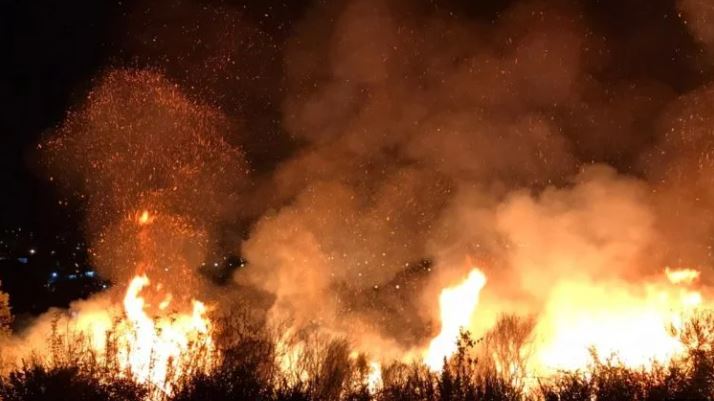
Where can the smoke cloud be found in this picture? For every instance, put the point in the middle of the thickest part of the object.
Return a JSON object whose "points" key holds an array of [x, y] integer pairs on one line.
{"points": [[422, 141], [428, 136]]}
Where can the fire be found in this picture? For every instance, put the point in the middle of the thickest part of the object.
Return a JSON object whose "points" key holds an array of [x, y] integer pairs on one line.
{"points": [[158, 350], [681, 276], [145, 342], [153, 345], [612, 322], [145, 218], [457, 305], [374, 377], [634, 324], [289, 352]]}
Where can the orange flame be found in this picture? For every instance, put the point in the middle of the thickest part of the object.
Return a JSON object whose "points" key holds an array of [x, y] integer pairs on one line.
{"points": [[145, 218], [630, 323], [457, 305], [157, 350], [681, 276]]}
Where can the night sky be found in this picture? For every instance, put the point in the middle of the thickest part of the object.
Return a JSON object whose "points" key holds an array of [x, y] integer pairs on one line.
{"points": [[52, 51]]}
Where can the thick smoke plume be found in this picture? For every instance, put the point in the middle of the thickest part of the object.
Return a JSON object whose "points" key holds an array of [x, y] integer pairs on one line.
{"points": [[424, 141], [432, 137]]}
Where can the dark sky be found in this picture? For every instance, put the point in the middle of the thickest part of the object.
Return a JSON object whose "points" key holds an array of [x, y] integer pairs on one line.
{"points": [[52, 49], [51, 52]]}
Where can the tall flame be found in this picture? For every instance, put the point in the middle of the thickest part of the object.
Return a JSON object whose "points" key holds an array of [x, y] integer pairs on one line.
{"points": [[632, 325], [457, 305], [635, 324], [681, 276], [158, 350]]}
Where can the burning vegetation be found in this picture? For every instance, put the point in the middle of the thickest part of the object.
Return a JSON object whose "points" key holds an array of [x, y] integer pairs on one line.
{"points": [[468, 210]]}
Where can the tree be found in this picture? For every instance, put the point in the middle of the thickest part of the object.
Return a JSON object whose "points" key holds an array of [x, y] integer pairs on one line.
{"points": [[508, 347], [5, 313]]}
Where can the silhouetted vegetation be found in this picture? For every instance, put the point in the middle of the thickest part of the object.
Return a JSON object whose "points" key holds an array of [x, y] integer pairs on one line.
{"points": [[249, 369], [5, 313]]}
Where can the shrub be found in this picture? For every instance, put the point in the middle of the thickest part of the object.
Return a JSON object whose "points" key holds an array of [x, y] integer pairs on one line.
{"points": [[66, 383], [248, 368]]}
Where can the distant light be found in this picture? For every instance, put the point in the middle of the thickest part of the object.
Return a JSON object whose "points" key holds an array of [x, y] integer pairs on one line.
{"points": [[90, 273], [72, 276], [22, 260], [32, 251], [54, 274]]}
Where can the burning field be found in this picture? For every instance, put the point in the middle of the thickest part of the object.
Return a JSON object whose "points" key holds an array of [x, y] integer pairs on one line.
{"points": [[506, 206]]}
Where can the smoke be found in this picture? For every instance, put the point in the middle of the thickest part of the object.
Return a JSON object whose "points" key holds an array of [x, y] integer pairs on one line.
{"points": [[697, 15], [430, 136], [679, 167], [421, 141]]}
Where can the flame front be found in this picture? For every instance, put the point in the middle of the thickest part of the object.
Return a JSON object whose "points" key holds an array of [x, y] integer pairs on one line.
{"points": [[636, 325], [678, 276], [157, 351], [154, 345], [456, 305]]}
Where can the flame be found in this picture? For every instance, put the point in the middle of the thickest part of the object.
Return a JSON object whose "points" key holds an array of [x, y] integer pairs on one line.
{"points": [[681, 276], [157, 350], [374, 377], [289, 352], [166, 302], [633, 325], [150, 344], [457, 305], [636, 324], [145, 218]]}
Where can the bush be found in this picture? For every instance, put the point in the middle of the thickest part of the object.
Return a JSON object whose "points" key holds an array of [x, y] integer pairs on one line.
{"points": [[66, 383], [249, 369]]}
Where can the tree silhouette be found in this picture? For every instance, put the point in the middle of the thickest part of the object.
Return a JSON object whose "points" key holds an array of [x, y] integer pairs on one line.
{"points": [[5, 313]]}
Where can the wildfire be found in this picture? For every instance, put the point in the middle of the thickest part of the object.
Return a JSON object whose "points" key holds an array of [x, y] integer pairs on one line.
{"points": [[153, 345], [159, 350], [457, 305], [631, 322], [613, 322], [681, 276], [145, 218], [289, 352], [374, 377], [635, 325]]}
